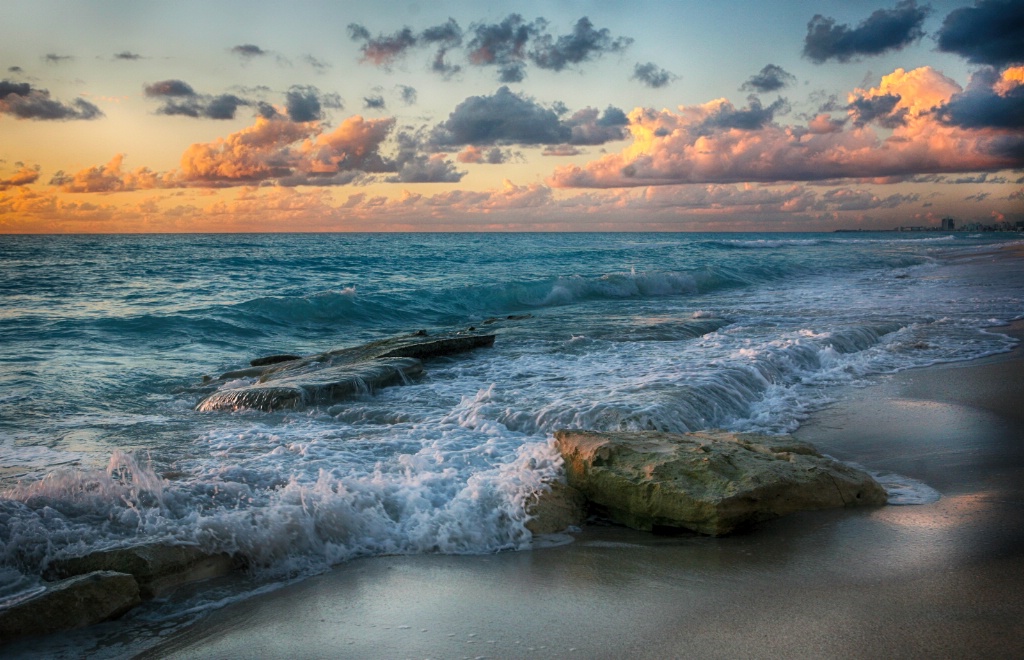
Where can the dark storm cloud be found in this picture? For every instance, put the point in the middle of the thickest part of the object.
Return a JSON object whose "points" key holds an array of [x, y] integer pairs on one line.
{"points": [[248, 51], [769, 79], [885, 29], [582, 44], [375, 102], [127, 55], [880, 110], [510, 118], [23, 101], [504, 118], [306, 102], [990, 32], [746, 119], [652, 75], [985, 109]]}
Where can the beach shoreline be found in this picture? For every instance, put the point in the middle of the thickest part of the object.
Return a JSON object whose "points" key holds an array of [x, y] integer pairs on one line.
{"points": [[943, 579]]}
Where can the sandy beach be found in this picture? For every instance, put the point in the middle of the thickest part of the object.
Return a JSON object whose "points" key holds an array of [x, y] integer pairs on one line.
{"points": [[944, 579]]}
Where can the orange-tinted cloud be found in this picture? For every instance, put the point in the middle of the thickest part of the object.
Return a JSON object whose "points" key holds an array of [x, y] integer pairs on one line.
{"points": [[273, 149], [107, 178], [689, 147], [24, 176]]}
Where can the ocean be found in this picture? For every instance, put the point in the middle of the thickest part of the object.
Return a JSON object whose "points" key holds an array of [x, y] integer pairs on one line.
{"points": [[107, 340]]}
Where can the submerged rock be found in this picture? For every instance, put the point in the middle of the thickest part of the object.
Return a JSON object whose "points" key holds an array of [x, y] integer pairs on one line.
{"points": [[72, 603], [711, 482], [156, 568], [330, 377], [273, 359]]}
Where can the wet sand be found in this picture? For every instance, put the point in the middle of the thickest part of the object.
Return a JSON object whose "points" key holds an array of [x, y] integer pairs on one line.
{"points": [[937, 580]]}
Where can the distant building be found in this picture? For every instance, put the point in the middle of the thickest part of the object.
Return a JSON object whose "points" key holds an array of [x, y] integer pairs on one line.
{"points": [[948, 224]]}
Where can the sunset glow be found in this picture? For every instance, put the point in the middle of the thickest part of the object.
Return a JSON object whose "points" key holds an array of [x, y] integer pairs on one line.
{"points": [[669, 116]]}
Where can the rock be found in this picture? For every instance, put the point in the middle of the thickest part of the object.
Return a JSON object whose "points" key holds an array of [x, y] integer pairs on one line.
{"points": [[273, 359], [555, 509], [72, 603], [329, 377], [711, 482], [156, 568], [322, 386]]}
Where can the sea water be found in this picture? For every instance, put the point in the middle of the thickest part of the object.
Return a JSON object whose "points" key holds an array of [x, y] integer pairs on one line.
{"points": [[106, 341]]}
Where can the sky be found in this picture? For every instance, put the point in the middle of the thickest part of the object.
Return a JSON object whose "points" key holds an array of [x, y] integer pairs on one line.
{"points": [[668, 115]]}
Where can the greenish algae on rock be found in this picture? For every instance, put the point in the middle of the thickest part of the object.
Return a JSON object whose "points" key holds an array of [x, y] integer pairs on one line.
{"points": [[710, 482]]}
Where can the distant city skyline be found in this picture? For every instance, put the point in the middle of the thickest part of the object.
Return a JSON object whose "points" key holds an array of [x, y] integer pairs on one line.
{"points": [[573, 116]]}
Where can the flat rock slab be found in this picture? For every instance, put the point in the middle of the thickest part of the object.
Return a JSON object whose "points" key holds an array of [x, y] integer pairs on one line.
{"points": [[72, 603], [157, 568], [333, 376], [710, 482]]}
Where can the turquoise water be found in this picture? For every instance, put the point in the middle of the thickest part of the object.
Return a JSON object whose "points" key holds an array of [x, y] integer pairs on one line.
{"points": [[106, 340]]}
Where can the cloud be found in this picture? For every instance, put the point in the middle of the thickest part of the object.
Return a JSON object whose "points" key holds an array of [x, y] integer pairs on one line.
{"points": [[248, 51], [384, 49], [503, 45], [509, 118], [562, 150], [652, 75], [427, 169], [751, 118], [15, 69], [127, 55], [306, 102], [492, 156], [106, 178], [53, 58], [590, 127], [169, 88], [509, 45], [992, 100], [273, 150], [182, 100], [504, 118], [990, 32], [884, 30], [880, 109], [24, 176], [716, 143], [375, 102], [582, 44], [408, 94], [23, 101], [319, 65], [771, 78]]}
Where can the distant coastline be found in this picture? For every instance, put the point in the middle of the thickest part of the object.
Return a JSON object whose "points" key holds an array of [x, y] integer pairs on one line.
{"points": [[948, 226]]}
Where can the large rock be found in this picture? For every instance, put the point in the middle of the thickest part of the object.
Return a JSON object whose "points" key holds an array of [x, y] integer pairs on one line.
{"points": [[72, 603], [711, 482], [157, 568], [329, 377], [555, 508]]}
